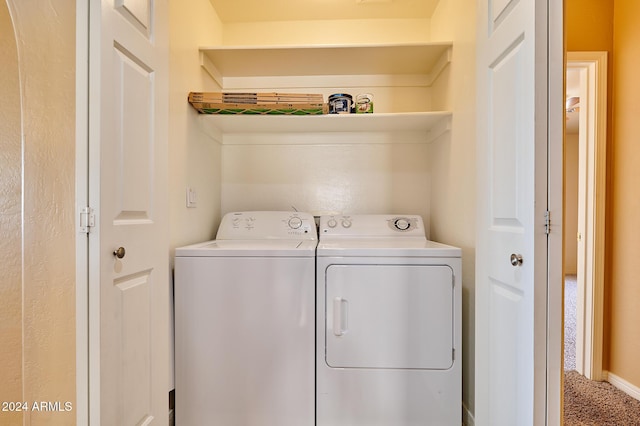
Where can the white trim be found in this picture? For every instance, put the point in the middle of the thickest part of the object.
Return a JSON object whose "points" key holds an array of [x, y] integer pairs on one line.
{"points": [[93, 117], [556, 123], [593, 140], [81, 181], [620, 383]]}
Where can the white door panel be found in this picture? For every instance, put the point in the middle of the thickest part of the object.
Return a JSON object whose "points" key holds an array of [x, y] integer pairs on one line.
{"points": [[498, 8], [133, 88], [137, 11], [512, 168], [129, 353]]}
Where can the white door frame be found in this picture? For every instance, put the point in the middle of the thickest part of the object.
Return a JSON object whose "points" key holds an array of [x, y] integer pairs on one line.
{"points": [[592, 67], [556, 123]]}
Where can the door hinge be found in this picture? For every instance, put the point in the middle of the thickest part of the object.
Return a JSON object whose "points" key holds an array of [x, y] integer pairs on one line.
{"points": [[453, 354], [547, 222], [87, 220]]}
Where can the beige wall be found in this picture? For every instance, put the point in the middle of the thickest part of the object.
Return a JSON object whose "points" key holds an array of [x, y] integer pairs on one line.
{"points": [[624, 220], [46, 59], [10, 221], [323, 32], [571, 149], [322, 173], [346, 177], [452, 163], [194, 158]]}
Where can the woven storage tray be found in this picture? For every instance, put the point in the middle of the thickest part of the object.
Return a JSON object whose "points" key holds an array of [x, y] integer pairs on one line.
{"points": [[260, 109], [258, 103]]}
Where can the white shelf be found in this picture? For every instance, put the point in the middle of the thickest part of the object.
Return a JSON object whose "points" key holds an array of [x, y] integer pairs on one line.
{"points": [[239, 67], [425, 126], [418, 121], [225, 62]]}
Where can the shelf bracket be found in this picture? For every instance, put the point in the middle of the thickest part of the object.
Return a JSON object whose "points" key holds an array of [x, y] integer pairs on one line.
{"points": [[439, 66], [440, 128], [211, 69]]}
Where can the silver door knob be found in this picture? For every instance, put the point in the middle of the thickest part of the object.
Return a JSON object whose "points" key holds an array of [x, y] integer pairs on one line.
{"points": [[119, 253], [516, 259]]}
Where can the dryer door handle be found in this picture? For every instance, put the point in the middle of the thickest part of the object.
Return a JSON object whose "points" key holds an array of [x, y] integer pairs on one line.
{"points": [[340, 316]]}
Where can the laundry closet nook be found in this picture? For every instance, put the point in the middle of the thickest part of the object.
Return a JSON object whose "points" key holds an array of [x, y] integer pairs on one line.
{"points": [[415, 154]]}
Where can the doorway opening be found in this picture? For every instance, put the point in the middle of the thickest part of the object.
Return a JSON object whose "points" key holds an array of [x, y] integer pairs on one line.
{"points": [[585, 167]]}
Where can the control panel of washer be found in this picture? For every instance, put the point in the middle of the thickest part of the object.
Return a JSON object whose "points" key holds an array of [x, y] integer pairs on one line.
{"points": [[267, 224], [371, 225]]}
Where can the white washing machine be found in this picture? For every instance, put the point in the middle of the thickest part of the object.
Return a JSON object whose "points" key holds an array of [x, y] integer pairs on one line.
{"points": [[388, 336], [244, 323]]}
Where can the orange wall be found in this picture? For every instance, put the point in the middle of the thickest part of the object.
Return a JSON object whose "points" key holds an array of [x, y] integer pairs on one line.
{"points": [[624, 198], [589, 27]]}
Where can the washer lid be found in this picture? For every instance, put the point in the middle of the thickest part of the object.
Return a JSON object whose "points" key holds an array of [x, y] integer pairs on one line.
{"points": [[384, 247], [250, 248]]}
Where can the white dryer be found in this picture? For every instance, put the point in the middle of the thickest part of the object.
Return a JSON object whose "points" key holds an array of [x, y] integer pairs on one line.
{"points": [[244, 323], [388, 336]]}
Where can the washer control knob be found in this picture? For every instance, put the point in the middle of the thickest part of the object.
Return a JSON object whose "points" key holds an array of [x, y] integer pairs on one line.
{"points": [[402, 224], [331, 223], [295, 223], [346, 223]]}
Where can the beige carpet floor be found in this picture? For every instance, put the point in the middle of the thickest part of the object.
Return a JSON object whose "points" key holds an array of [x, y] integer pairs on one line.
{"points": [[588, 403]]}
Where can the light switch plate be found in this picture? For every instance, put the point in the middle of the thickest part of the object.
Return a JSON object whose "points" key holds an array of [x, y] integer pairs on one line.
{"points": [[191, 197]]}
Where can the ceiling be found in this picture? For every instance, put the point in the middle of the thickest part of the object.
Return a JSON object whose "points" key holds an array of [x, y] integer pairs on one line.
{"points": [[230, 11]]}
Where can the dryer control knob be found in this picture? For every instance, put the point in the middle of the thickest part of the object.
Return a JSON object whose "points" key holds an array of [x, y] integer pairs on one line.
{"points": [[331, 223], [402, 224], [295, 223], [346, 223]]}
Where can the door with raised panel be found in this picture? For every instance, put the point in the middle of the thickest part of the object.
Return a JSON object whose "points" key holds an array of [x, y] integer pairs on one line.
{"points": [[129, 254], [511, 275]]}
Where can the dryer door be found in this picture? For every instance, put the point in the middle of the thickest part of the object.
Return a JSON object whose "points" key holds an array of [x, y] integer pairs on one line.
{"points": [[389, 316]]}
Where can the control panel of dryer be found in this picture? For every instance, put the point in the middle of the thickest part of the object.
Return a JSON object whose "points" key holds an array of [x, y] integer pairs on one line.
{"points": [[371, 225], [267, 225]]}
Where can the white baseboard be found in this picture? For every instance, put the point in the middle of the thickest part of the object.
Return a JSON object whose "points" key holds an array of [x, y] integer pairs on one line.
{"points": [[467, 417], [620, 383]]}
